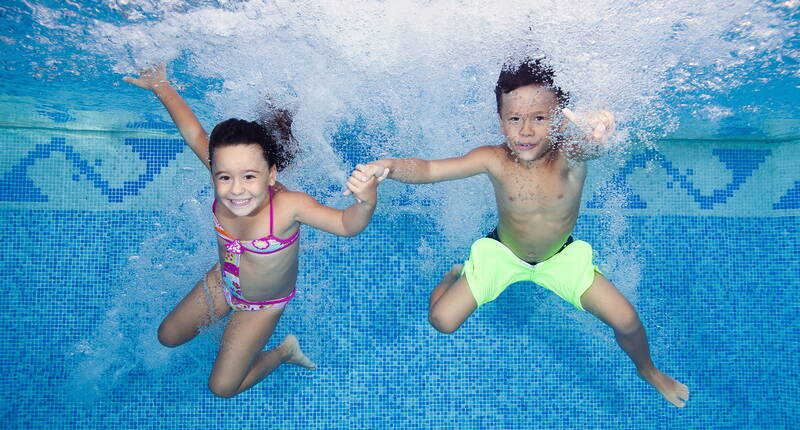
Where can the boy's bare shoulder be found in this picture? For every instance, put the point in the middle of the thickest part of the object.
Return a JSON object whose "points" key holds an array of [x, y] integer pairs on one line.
{"points": [[490, 153], [490, 149], [493, 156]]}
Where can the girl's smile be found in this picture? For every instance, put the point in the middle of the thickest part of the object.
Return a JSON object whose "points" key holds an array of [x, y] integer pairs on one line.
{"points": [[241, 178]]}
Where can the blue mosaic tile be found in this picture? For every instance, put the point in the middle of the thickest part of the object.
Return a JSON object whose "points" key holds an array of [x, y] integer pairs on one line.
{"points": [[87, 290]]}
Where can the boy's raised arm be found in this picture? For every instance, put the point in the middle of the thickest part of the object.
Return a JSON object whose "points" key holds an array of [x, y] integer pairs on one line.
{"points": [[597, 127], [155, 80]]}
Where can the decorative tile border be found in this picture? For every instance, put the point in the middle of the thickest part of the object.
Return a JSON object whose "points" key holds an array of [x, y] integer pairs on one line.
{"points": [[58, 166]]}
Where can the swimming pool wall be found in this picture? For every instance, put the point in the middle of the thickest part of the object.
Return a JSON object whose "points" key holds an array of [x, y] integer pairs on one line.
{"points": [[106, 228]]}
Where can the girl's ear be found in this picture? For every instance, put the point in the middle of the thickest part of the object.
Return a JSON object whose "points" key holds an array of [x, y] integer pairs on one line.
{"points": [[273, 175]]}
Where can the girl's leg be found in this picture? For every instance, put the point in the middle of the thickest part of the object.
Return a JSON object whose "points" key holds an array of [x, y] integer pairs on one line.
{"points": [[451, 302], [241, 363], [204, 304], [604, 301]]}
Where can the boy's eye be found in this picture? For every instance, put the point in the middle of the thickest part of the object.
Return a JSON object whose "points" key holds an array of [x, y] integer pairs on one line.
{"points": [[513, 119], [223, 178], [249, 177], [541, 118]]}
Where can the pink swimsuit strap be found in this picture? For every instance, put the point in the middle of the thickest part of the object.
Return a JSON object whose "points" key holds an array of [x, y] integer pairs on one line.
{"points": [[258, 246]]}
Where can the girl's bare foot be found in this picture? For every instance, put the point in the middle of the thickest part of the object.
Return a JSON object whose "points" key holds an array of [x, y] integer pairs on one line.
{"points": [[291, 348]]}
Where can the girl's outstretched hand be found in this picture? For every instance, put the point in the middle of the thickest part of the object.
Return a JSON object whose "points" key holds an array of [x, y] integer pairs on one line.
{"points": [[150, 79]]}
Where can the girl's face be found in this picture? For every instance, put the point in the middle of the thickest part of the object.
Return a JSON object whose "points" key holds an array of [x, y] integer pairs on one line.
{"points": [[241, 177]]}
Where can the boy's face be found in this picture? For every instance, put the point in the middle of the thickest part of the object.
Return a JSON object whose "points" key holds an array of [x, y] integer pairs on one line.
{"points": [[526, 119], [241, 178]]}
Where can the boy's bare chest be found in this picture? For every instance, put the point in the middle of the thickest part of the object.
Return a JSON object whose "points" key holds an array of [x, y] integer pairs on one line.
{"points": [[534, 189]]}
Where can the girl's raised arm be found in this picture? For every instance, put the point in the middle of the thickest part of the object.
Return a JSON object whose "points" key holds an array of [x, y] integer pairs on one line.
{"points": [[155, 80]]}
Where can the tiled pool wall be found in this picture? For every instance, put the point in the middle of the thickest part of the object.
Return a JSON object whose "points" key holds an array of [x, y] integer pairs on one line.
{"points": [[106, 229]]}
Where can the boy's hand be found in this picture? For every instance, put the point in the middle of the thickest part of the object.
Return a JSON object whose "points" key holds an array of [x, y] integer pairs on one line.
{"points": [[150, 79], [598, 125], [366, 173]]}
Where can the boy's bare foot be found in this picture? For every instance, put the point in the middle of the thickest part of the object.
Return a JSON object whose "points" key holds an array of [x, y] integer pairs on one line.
{"points": [[291, 347], [672, 390]]}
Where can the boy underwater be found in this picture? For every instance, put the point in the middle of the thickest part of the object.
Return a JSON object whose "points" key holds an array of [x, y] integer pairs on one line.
{"points": [[538, 178]]}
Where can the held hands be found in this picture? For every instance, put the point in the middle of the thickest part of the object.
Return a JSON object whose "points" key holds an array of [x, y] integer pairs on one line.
{"points": [[597, 125], [363, 182], [151, 78]]}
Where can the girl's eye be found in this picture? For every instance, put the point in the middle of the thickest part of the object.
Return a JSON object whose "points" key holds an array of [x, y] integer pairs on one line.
{"points": [[250, 177], [223, 178]]}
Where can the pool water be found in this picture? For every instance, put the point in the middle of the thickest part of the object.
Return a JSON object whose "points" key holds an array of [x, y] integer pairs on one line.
{"points": [[105, 215]]}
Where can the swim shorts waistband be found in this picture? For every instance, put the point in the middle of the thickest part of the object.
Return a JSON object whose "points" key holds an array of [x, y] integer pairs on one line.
{"points": [[493, 235]]}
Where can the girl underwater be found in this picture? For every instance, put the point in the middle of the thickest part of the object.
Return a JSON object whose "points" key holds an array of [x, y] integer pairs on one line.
{"points": [[257, 222]]}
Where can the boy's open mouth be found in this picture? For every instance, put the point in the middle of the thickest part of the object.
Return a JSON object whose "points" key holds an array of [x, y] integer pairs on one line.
{"points": [[525, 146]]}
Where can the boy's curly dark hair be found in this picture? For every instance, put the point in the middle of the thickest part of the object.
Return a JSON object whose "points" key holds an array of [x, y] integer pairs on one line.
{"points": [[528, 72], [273, 133]]}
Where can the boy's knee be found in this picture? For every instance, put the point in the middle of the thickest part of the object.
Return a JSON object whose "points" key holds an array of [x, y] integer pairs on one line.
{"points": [[441, 322], [627, 323], [222, 388]]}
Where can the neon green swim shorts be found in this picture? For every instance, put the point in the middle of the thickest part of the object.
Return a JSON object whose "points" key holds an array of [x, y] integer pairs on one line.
{"points": [[492, 267]]}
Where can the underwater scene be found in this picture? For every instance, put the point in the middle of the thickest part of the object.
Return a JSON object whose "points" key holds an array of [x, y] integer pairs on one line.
{"points": [[692, 209]]}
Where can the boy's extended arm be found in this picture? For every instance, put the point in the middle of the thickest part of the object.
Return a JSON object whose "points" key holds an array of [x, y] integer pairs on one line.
{"points": [[155, 80], [418, 171]]}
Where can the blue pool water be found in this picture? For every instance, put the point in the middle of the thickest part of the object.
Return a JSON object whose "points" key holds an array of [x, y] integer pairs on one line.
{"points": [[105, 215]]}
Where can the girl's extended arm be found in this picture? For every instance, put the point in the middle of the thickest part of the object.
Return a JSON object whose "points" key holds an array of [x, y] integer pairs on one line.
{"points": [[348, 222], [155, 80]]}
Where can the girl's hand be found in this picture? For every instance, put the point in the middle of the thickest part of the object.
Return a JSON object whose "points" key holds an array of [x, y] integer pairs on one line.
{"points": [[367, 173], [150, 79], [366, 192]]}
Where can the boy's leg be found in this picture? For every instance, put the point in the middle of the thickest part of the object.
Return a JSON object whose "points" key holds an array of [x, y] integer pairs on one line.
{"points": [[204, 304], [451, 302], [447, 281], [604, 301], [241, 363]]}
